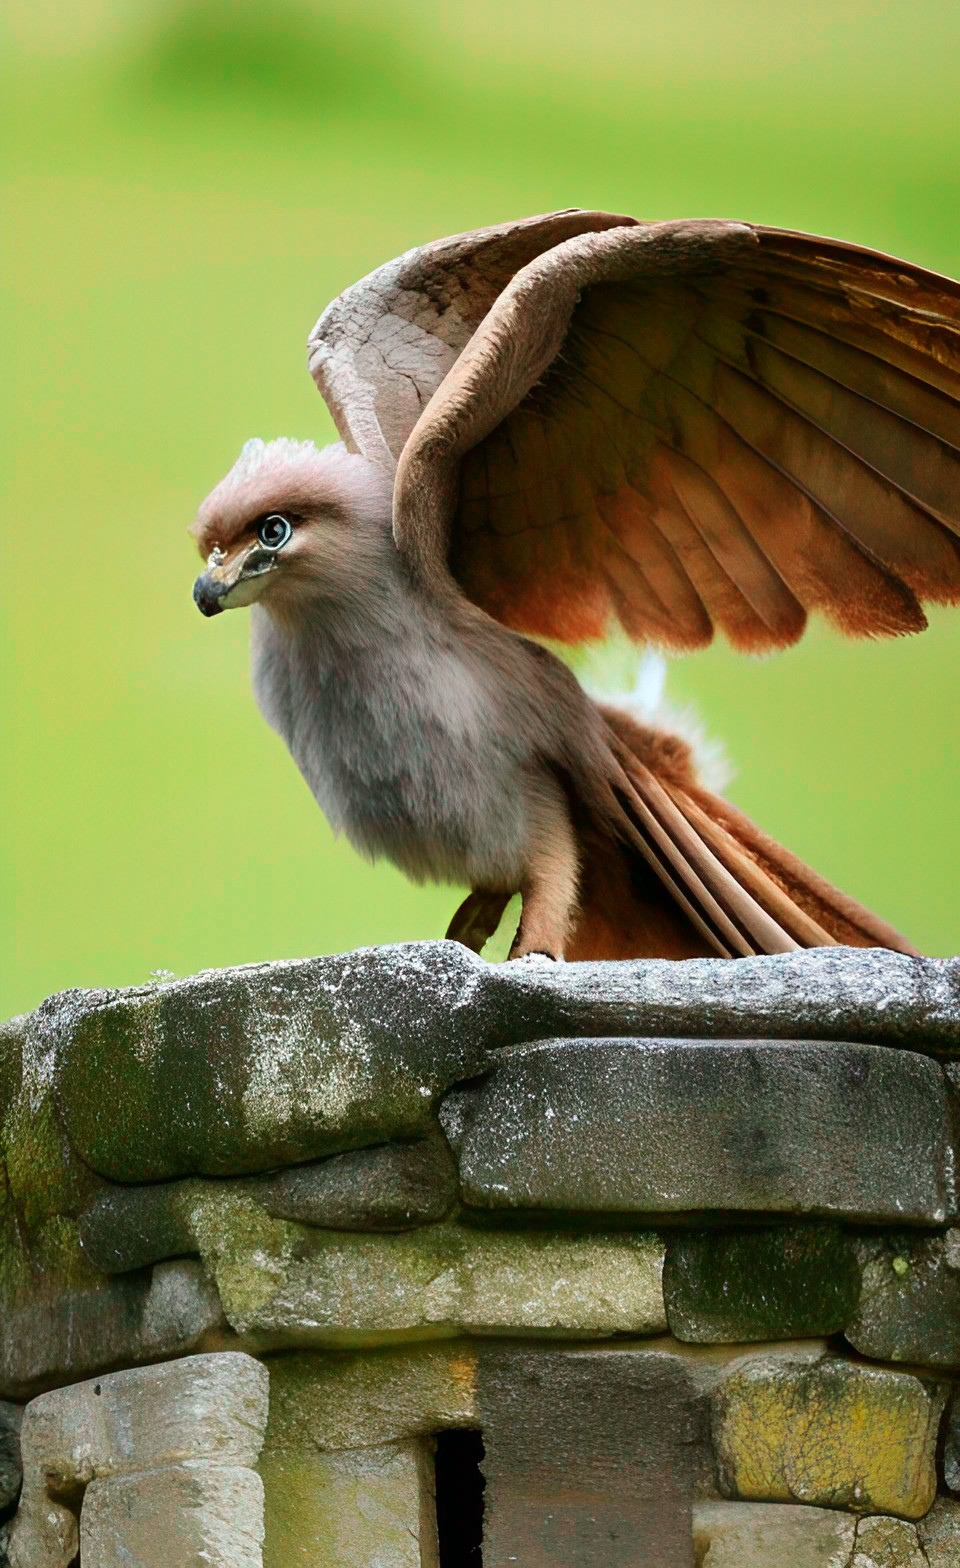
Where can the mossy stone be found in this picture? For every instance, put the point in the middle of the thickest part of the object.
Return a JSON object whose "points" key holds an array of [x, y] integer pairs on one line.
{"points": [[738, 1286]]}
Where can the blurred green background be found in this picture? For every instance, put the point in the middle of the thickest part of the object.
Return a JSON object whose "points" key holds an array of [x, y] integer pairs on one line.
{"points": [[186, 187]]}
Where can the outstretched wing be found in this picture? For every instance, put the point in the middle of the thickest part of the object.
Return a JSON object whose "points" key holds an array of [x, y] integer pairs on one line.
{"points": [[692, 426], [382, 348]]}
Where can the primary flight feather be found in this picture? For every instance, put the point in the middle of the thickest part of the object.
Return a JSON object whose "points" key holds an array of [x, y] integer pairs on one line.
{"points": [[550, 428]]}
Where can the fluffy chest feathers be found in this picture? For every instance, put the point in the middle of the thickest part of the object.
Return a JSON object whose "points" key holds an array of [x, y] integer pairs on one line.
{"points": [[400, 736]]}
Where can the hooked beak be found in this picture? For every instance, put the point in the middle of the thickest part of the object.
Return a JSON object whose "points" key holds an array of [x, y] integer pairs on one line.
{"points": [[228, 583]]}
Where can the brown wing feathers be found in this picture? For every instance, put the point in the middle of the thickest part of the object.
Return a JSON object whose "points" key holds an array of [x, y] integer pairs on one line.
{"points": [[730, 451]]}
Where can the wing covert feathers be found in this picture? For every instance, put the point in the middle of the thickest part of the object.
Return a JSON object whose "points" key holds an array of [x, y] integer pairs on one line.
{"points": [[694, 427]]}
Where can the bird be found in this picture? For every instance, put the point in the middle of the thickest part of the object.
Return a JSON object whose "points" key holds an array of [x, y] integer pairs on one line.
{"points": [[551, 430]]}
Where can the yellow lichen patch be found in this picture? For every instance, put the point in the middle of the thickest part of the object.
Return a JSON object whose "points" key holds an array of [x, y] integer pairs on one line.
{"points": [[828, 1432]]}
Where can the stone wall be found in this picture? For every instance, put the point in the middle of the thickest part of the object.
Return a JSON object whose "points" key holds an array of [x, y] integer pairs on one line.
{"points": [[679, 1241]]}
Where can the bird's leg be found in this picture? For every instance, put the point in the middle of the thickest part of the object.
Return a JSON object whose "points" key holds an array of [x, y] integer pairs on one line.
{"points": [[477, 918], [549, 884]]}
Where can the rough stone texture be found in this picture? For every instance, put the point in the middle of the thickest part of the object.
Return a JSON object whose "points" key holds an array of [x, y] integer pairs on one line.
{"points": [[325, 1402], [887, 1543], [196, 1515], [275, 1064], [340, 1289], [737, 1286], [211, 1408], [393, 1187], [10, 1467], [608, 1125], [939, 1534], [827, 1432], [910, 1300], [587, 1458], [370, 1508], [98, 1324], [771, 1535], [951, 1444]]}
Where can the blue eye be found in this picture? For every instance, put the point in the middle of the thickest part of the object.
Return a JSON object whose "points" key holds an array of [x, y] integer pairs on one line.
{"points": [[274, 531]]}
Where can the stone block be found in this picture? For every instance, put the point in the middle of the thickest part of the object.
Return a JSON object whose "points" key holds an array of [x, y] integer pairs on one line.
{"points": [[771, 1535], [939, 1534], [887, 1543], [201, 1407], [154, 1421], [785, 1127], [910, 1299], [275, 1064], [588, 1458], [737, 1286], [356, 1400], [196, 1515], [10, 1467], [369, 1508], [396, 1186], [354, 1289], [951, 1444], [246, 1069], [80, 1328], [827, 1432]]}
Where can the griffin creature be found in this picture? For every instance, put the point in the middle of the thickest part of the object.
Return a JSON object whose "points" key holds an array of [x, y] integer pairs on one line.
{"points": [[548, 428]]}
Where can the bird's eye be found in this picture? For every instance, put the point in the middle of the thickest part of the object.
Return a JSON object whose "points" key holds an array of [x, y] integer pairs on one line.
{"points": [[274, 531]]}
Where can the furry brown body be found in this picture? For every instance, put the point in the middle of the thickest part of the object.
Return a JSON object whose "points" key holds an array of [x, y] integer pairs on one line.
{"points": [[391, 577]]}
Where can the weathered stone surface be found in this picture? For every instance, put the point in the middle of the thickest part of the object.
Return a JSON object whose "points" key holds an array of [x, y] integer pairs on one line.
{"points": [[887, 1543], [587, 1454], [200, 1407], [341, 1289], [951, 1444], [369, 1506], [142, 1423], [910, 1301], [272, 1064], [333, 1401], [196, 1514], [395, 1186], [95, 1324], [10, 1468], [789, 1282], [827, 1432], [608, 1125], [280, 1063], [939, 1534], [771, 1535]]}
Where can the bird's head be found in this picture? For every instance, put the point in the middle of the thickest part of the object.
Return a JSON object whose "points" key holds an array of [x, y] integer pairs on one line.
{"points": [[290, 522]]}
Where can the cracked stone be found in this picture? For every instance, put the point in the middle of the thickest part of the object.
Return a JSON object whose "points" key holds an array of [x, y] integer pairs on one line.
{"points": [[809, 1128], [771, 1535], [888, 1543], [827, 1432], [789, 1282], [939, 1533], [910, 1300]]}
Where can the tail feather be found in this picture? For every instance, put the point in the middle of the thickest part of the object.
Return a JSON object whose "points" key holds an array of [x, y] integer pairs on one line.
{"points": [[692, 875]]}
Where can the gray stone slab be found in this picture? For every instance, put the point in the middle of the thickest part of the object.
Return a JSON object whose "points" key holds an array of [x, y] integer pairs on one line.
{"points": [[771, 1535], [909, 1307], [951, 1444], [588, 1459], [939, 1534], [883, 1542], [395, 1186], [670, 1126], [763, 1283], [275, 1064], [97, 1325], [366, 1508], [196, 1515], [10, 1467]]}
